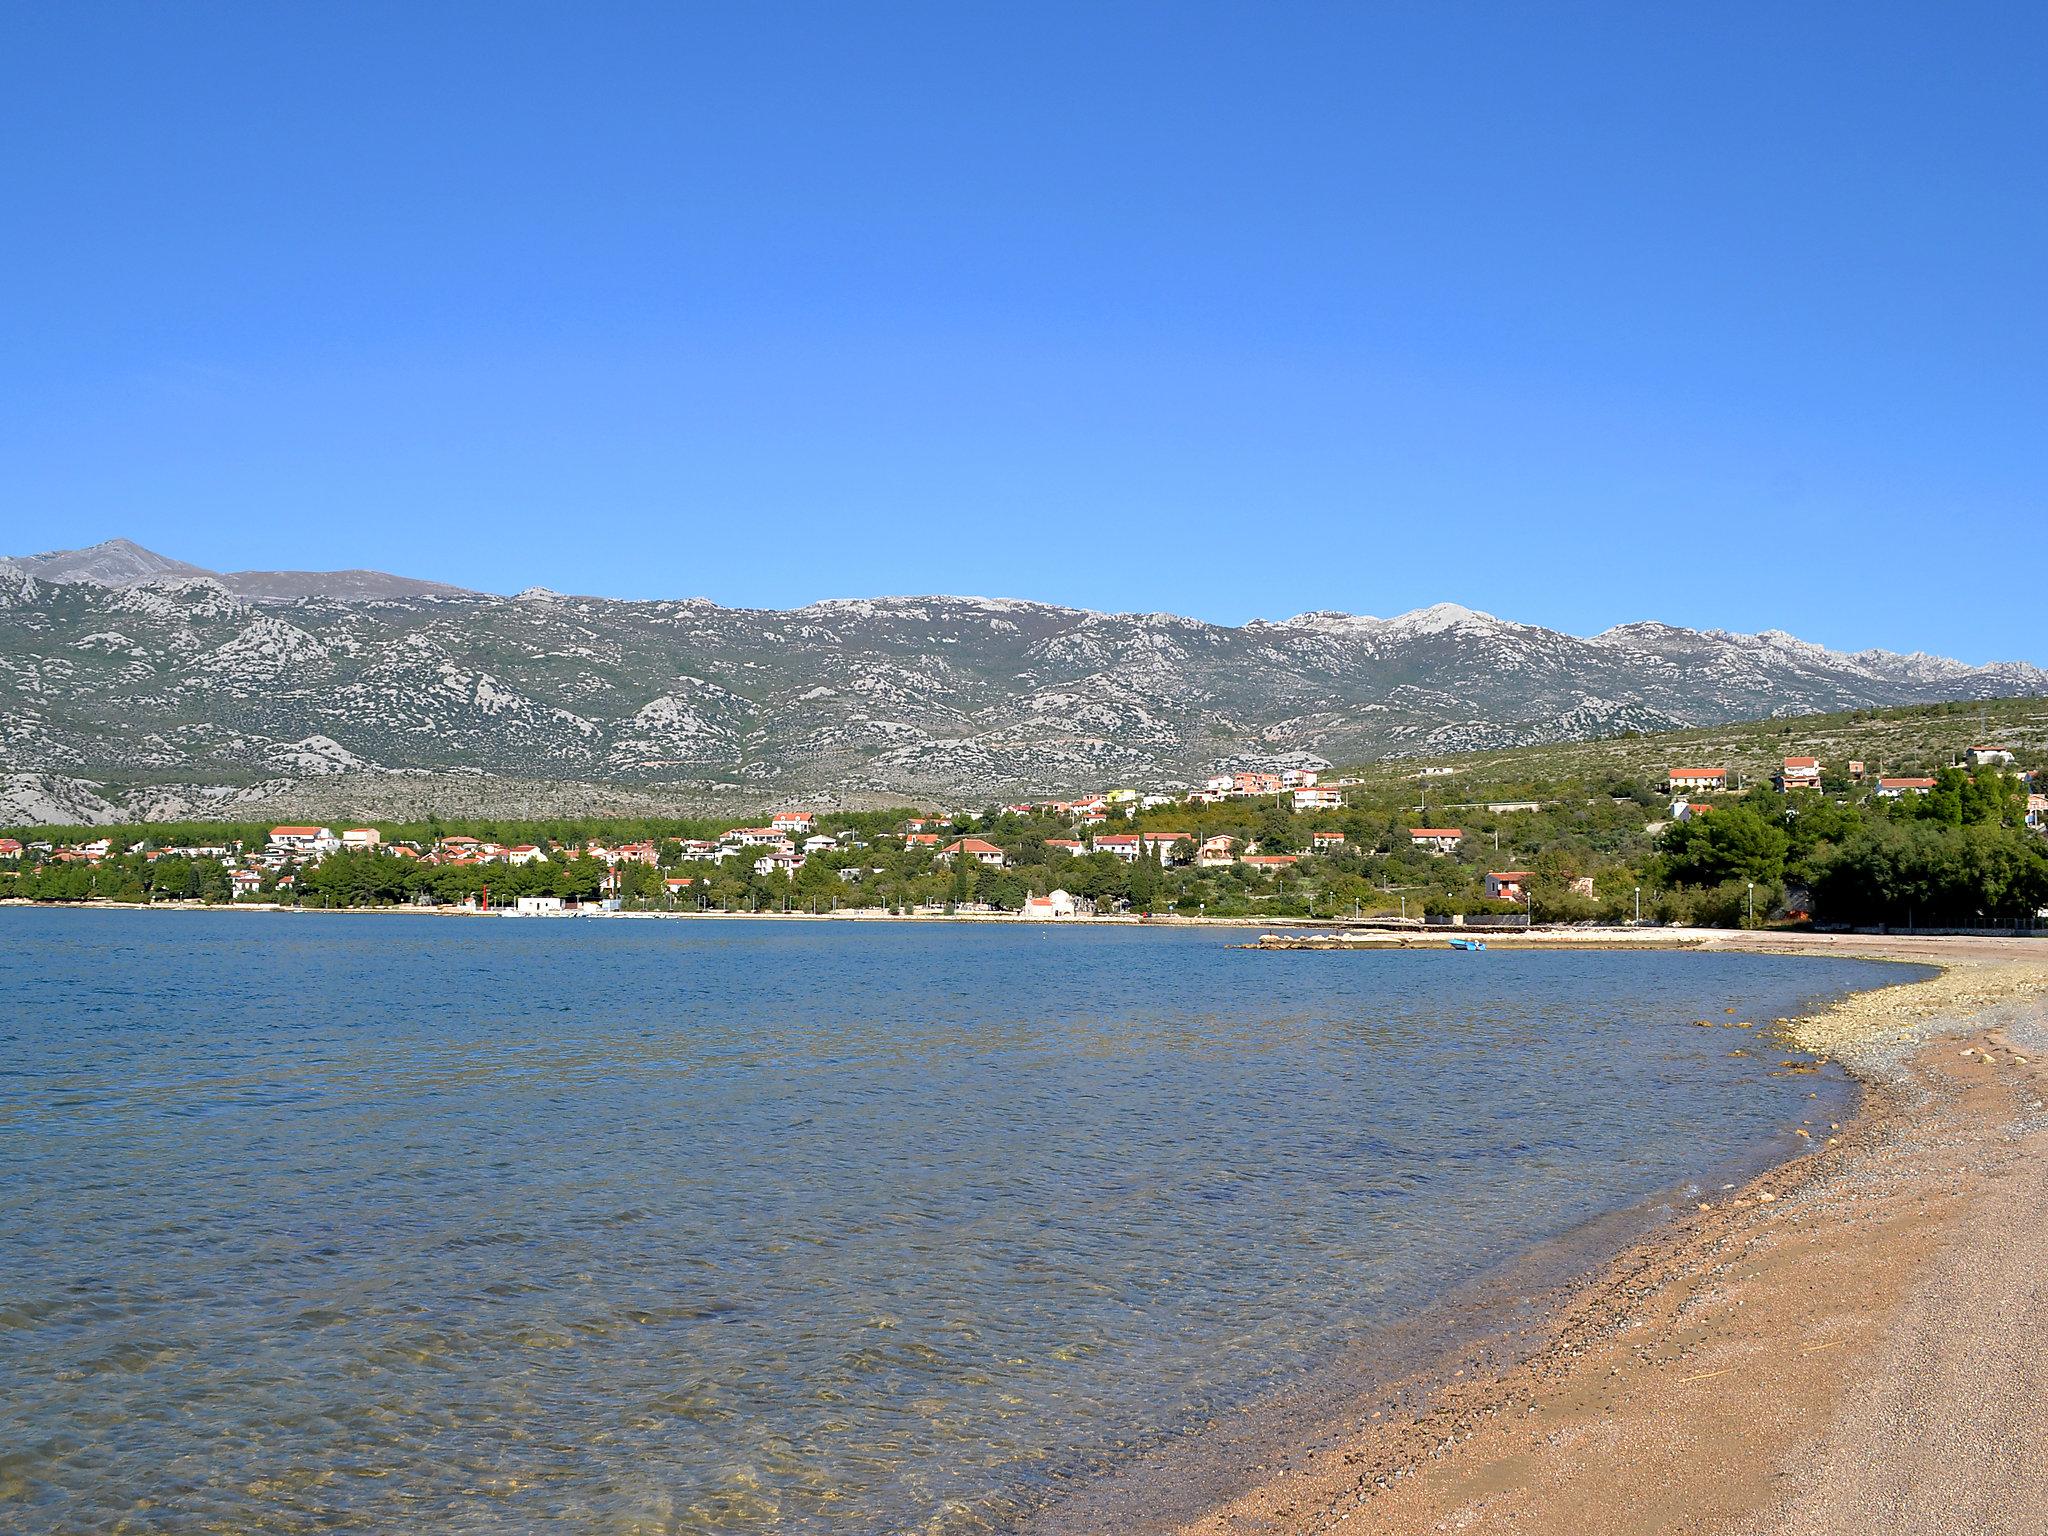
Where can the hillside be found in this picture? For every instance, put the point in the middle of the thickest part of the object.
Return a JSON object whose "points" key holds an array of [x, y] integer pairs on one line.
{"points": [[129, 685]]}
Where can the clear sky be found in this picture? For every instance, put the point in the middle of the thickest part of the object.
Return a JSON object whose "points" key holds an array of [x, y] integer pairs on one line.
{"points": [[1722, 314]]}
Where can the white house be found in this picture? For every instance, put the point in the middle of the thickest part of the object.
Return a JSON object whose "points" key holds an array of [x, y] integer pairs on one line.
{"points": [[537, 906], [1507, 884], [975, 849], [1438, 840], [1983, 757], [792, 821], [361, 837], [1216, 852], [1310, 798], [1071, 846], [303, 840], [1217, 783], [1326, 842], [525, 853], [1679, 780], [1123, 844], [1297, 778], [1167, 847], [1892, 789], [784, 860], [1799, 773]]}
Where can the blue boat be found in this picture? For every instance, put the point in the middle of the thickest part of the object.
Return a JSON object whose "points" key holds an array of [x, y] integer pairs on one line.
{"points": [[1468, 943]]}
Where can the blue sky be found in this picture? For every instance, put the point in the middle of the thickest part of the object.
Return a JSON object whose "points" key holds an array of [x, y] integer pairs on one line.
{"points": [[1727, 315]]}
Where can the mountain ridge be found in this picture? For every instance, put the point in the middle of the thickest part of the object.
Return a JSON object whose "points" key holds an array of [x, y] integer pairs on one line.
{"points": [[128, 670]]}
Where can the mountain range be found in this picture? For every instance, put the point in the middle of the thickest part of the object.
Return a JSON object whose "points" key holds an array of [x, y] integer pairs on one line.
{"points": [[134, 684]]}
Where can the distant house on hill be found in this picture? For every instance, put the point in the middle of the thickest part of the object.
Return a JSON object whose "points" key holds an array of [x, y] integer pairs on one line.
{"points": [[1892, 789], [1216, 852], [1165, 846], [1798, 773], [1507, 884], [303, 840], [1270, 862], [1694, 780], [1312, 798], [1988, 757], [973, 848], [1438, 840]]}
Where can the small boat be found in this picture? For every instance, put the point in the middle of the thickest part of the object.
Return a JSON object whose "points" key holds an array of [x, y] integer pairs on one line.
{"points": [[1468, 943]]}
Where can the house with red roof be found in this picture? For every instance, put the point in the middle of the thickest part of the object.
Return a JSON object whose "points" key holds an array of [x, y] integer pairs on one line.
{"points": [[1167, 847], [1681, 780], [1508, 884], [973, 848], [1272, 863], [300, 841], [1438, 840]]}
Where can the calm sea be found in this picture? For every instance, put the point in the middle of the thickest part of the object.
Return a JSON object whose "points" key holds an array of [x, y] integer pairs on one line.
{"points": [[405, 1224]]}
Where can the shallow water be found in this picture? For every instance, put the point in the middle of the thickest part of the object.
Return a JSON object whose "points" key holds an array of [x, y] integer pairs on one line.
{"points": [[390, 1223]]}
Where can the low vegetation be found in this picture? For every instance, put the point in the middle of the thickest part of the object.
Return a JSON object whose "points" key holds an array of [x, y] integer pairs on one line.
{"points": [[1586, 830]]}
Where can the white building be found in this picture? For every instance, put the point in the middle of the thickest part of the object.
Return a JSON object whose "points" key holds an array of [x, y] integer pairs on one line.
{"points": [[538, 906], [303, 840], [1054, 904], [1437, 839], [1313, 799]]}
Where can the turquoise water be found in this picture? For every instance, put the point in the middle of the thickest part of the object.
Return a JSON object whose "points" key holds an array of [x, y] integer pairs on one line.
{"points": [[391, 1223]]}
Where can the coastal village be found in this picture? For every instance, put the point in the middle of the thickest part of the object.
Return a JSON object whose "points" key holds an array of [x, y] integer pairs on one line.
{"points": [[1244, 843]]}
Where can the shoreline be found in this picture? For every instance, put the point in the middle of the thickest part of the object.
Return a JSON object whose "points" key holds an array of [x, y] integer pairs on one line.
{"points": [[1700, 1378]]}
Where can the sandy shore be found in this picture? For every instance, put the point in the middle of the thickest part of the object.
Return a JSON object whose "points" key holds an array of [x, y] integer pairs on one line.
{"points": [[1851, 1343]]}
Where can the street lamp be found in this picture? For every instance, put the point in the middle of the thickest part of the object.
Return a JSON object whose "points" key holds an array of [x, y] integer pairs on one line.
{"points": [[1639, 906], [1749, 904]]}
